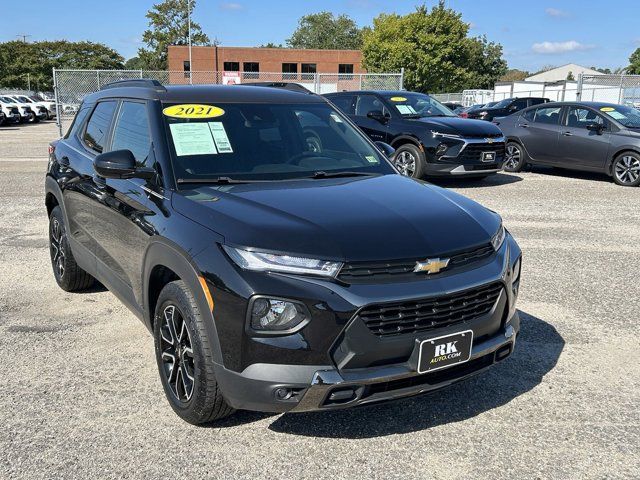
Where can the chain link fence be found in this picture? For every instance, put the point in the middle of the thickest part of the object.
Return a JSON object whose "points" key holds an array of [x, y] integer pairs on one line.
{"points": [[617, 88], [71, 86]]}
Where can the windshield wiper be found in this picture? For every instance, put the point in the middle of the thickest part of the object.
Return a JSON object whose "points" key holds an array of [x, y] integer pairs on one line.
{"points": [[216, 180], [322, 174]]}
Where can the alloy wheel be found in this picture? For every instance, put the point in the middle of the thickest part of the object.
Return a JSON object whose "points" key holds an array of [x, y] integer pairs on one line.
{"points": [[627, 169], [406, 162], [56, 239], [177, 353], [512, 157]]}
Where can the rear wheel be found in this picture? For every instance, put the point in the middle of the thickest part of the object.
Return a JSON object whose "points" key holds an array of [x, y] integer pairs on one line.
{"points": [[410, 161], [69, 276], [514, 157], [185, 358], [626, 169]]}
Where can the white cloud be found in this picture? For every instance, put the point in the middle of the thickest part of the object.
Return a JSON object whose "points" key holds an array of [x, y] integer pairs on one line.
{"points": [[231, 6], [559, 47], [554, 12]]}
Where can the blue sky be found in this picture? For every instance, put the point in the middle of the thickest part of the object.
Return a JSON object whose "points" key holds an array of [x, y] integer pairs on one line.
{"points": [[534, 33]]}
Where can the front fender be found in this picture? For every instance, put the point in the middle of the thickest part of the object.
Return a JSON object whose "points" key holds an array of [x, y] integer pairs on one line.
{"points": [[163, 252]]}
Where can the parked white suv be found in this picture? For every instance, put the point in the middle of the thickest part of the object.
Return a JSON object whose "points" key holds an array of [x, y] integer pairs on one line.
{"points": [[40, 111], [34, 100], [12, 112]]}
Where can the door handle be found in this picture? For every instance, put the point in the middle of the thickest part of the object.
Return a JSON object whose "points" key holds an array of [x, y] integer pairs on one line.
{"points": [[567, 134], [523, 125]]}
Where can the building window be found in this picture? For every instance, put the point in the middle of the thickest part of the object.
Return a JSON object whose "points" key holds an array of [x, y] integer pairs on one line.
{"points": [[251, 70], [345, 71], [231, 66], [186, 65], [290, 71], [308, 71]]}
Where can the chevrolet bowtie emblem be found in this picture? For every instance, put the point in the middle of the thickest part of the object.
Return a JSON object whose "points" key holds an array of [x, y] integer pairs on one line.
{"points": [[431, 265], [489, 140]]}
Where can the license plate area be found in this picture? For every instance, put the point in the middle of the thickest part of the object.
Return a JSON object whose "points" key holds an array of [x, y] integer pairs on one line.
{"points": [[446, 351], [488, 156]]}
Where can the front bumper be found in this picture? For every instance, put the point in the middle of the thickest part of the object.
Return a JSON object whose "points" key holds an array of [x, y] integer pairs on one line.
{"points": [[313, 388], [440, 169]]}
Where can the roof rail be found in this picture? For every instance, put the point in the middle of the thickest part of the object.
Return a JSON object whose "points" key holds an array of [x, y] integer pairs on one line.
{"points": [[136, 82], [294, 87]]}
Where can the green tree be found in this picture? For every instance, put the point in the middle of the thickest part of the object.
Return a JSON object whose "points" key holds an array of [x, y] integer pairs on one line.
{"points": [[23, 63], [271, 45], [634, 61], [570, 77], [435, 50], [323, 30], [168, 25], [514, 75], [134, 63]]}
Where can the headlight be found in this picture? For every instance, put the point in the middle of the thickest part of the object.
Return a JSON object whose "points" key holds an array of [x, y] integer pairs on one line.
{"points": [[270, 262], [498, 239], [276, 315]]}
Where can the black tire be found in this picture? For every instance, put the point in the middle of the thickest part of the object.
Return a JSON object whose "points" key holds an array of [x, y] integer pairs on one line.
{"points": [[515, 157], [626, 169], [410, 161], [69, 276], [180, 334], [32, 118]]}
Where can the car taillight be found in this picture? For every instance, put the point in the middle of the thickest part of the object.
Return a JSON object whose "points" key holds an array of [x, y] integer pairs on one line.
{"points": [[52, 149], [464, 115]]}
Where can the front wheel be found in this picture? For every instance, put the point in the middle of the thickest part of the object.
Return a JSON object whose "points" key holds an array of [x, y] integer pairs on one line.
{"points": [[626, 169], [410, 161], [514, 157], [185, 358]]}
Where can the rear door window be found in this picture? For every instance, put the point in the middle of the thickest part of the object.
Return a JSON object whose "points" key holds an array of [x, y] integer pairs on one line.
{"points": [[343, 102], [131, 131], [548, 115], [95, 135]]}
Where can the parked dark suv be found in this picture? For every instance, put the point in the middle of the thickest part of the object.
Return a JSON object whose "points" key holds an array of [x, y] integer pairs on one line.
{"points": [[506, 107], [278, 258], [429, 138], [591, 136]]}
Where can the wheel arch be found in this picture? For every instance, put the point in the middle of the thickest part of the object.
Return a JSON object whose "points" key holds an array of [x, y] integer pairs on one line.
{"points": [[619, 151], [406, 138], [54, 198], [165, 262]]}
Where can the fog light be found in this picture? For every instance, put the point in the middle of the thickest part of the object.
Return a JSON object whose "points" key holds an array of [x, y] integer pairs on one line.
{"points": [[276, 315], [442, 149], [283, 393]]}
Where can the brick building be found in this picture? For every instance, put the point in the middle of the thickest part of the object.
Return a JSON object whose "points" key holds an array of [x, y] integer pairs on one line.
{"points": [[294, 64]]}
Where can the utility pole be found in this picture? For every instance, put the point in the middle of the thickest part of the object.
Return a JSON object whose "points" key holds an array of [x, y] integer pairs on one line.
{"points": [[23, 36], [189, 28]]}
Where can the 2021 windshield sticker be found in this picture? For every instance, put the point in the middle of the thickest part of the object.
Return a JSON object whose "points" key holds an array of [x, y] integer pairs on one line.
{"points": [[192, 139], [193, 110]]}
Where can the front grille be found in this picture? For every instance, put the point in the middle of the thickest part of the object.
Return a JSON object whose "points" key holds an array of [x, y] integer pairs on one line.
{"points": [[484, 166], [473, 151], [396, 270], [15, 111], [426, 314]]}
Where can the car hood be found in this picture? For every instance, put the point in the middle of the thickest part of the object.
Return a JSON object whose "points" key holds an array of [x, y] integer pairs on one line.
{"points": [[372, 218], [460, 126]]}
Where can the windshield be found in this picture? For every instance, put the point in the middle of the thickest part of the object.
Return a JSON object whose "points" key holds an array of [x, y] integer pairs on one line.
{"points": [[417, 105], [627, 116], [25, 99], [503, 103], [7, 100], [266, 142]]}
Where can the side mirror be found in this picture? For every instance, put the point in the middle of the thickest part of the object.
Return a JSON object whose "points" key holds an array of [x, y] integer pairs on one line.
{"points": [[377, 115], [120, 164], [513, 108], [386, 149], [596, 127]]}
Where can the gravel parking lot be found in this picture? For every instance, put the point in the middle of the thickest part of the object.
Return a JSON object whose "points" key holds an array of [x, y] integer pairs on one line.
{"points": [[80, 395]]}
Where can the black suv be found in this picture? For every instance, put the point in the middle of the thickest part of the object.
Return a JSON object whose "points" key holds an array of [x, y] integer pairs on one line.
{"points": [[429, 138], [278, 258], [505, 107]]}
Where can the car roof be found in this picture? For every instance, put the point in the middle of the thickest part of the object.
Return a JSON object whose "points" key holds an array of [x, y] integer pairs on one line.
{"points": [[203, 93], [374, 92], [594, 105]]}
